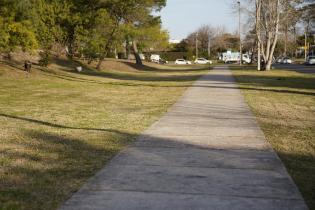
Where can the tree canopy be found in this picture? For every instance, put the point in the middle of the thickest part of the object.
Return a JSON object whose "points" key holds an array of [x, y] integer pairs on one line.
{"points": [[90, 28]]}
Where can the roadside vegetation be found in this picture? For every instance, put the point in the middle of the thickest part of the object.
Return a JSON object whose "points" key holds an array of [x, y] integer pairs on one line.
{"points": [[284, 104], [59, 127]]}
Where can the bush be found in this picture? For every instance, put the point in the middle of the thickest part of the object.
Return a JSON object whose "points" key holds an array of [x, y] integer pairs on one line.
{"points": [[45, 58]]}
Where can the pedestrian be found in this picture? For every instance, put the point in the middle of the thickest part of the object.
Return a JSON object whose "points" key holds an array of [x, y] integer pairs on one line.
{"points": [[28, 66]]}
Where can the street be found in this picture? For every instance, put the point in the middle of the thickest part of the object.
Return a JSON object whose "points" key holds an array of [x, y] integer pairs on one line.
{"points": [[296, 67]]}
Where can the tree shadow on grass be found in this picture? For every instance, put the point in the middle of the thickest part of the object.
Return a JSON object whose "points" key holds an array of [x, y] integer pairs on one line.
{"points": [[56, 125], [69, 67], [53, 164], [302, 170], [14, 64], [71, 78], [129, 76], [123, 78], [268, 83], [60, 164], [293, 82], [257, 83], [57, 166], [142, 78], [276, 83], [177, 69], [65, 163]]}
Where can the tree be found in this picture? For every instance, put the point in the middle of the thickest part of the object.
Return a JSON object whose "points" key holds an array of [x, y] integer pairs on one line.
{"points": [[289, 18], [16, 29], [267, 28], [96, 41], [136, 15], [93, 28], [212, 40], [152, 38], [308, 15], [49, 20], [205, 35]]}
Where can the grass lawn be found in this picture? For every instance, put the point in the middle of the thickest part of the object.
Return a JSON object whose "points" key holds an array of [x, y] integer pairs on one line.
{"points": [[284, 104], [59, 127]]}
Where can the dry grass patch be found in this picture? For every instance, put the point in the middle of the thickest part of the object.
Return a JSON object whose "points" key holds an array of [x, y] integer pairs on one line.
{"points": [[284, 104], [59, 127]]}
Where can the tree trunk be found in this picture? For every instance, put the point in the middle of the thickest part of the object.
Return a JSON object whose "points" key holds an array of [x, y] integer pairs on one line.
{"points": [[253, 52], [268, 65], [99, 64], [271, 25], [136, 53], [286, 39], [9, 56], [258, 12], [127, 47], [258, 57]]}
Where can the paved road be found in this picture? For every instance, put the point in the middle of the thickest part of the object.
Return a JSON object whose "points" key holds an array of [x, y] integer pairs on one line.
{"points": [[207, 152], [297, 67]]}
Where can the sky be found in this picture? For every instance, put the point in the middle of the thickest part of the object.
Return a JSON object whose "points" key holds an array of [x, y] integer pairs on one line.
{"points": [[181, 17]]}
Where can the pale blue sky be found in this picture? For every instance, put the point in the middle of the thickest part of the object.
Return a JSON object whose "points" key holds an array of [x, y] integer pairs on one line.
{"points": [[181, 17]]}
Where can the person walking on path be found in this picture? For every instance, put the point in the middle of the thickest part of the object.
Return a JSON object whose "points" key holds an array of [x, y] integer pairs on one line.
{"points": [[28, 66]]}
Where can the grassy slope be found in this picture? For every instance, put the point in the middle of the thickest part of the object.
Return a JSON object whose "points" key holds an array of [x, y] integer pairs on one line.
{"points": [[284, 103], [58, 127]]}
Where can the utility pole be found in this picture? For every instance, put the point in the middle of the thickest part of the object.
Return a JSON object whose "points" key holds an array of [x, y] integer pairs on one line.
{"points": [[209, 47], [258, 56], [286, 39], [286, 31], [239, 29], [305, 46], [258, 10], [197, 45]]}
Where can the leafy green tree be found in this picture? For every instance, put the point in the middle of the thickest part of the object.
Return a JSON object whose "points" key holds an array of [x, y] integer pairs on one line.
{"points": [[96, 41], [136, 15], [49, 20], [16, 27], [91, 27]]}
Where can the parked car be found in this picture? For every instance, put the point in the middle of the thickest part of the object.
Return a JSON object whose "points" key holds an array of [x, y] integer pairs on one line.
{"points": [[161, 61], [202, 61], [310, 60], [182, 62], [279, 60], [155, 58], [286, 60]]}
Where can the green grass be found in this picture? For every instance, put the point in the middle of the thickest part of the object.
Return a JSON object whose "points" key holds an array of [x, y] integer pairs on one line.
{"points": [[284, 104], [59, 127]]}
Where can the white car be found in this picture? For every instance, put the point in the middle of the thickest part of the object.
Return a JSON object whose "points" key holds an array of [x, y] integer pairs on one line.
{"points": [[202, 61], [155, 58], [279, 60], [310, 60], [182, 62], [286, 61]]}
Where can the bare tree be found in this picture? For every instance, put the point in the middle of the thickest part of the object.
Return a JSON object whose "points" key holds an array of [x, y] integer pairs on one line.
{"points": [[267, 28], [212, 40], [203, 35]]}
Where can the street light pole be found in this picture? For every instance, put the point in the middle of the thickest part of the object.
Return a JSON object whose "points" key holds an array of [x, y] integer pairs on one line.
{"points": [[258, 10], [239, 29], [305, 46], [209, 47], [197, 45]]}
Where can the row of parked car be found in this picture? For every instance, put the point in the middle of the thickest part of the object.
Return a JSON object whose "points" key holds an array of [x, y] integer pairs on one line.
{"points": [[281, 60], [286, 60], [157, 59], [197, 61], [310, 60]]}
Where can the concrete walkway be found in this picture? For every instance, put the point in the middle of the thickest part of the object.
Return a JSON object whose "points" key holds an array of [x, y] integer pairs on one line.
{"points": [[207, 152]]}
